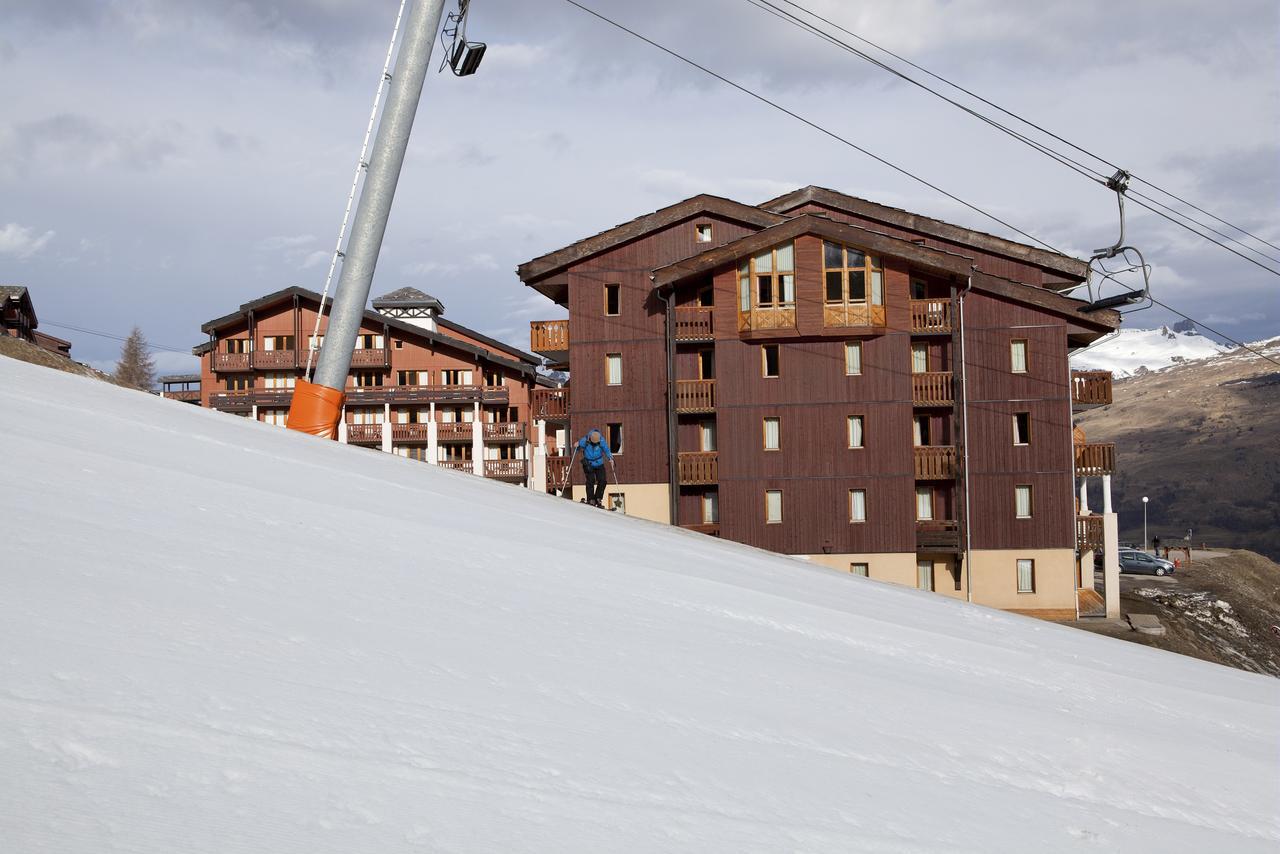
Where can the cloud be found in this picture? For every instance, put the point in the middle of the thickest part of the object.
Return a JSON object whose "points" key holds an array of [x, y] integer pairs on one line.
{"points": [[1235, 319], [74, 142], [21, 241], [280, 242]]}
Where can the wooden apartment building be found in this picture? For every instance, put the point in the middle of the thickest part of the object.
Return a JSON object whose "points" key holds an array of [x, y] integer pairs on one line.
{"points": [[420, 386], [824, 376]]}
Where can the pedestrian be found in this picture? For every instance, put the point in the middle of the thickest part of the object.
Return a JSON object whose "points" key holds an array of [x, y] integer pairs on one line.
{"points": [[594, 452]]}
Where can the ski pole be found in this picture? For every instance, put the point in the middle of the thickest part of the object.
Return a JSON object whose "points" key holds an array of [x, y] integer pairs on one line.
{"points": [[613, 469]]}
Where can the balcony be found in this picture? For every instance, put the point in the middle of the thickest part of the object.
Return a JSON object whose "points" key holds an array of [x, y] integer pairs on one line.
{"points": [[852, 314], [275, 360], [1089, 533], [457, 465], [711, 529], [550, 338], [757, 319], [505, 469], [369, 358], [935, 462], [551, 404], [1090, 389], [243, 401], [505, 431], [409, 432], [231, 362], [941, 535], [932, 388], [455, 431], [698, 468], [425, 394], [695, 396], [930, 316], [1094, 459], [557, 467], [364, 434], [188, 395], [694, 324]]}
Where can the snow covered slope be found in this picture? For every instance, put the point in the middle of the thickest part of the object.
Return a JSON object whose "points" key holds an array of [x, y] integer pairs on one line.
{"points": [[1153, 349], [218, 636]]}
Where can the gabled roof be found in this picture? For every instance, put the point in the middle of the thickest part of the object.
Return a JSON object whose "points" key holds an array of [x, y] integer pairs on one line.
{"points": [[20, 294], [1064, 265], [553, 262], [526, 364], [937, 260], [408, 298]]}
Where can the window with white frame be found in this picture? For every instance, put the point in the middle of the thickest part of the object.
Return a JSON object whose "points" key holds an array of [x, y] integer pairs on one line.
{"points": [[710, 508], [277, 416], [365, 415], [861, 569], [613, 369], [855, 431], [272, 343], [707, 436], [768, 279], [1022, 428], [924, 503], [857, 505], [369, 341], [702, 232], [1026, 575], [771, 434], [413, 378], [1018, 355], [924, 574], [1022, 501], [773, 506], [278, 379], [852, 358], [238, 345], [366, 379], [456, 376]]}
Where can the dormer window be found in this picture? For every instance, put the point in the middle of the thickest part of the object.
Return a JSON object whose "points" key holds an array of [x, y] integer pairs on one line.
{"points": [[853, 286], [767, 289], [702, 232]]}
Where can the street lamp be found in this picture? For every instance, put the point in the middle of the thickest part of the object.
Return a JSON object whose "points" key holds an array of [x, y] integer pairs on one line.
{"points": [[1144, 523]]}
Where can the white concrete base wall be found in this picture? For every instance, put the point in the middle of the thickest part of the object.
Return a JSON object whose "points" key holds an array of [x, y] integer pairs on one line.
{"points": [[643, 500]]}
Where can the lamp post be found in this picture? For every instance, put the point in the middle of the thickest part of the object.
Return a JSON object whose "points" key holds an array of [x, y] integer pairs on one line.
{"points": [[1144, 523]]}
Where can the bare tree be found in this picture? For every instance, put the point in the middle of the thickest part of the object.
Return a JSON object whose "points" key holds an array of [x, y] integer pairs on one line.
{"points": [[136, 368]]}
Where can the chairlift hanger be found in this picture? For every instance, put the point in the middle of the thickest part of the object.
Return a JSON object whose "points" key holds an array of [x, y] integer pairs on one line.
{"points": [[461, 56], [1119, 183]]}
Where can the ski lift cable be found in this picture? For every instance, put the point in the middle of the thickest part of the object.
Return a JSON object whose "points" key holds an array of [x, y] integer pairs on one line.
{"points": [[1031, 124], [361, 166], [1075, 165]]}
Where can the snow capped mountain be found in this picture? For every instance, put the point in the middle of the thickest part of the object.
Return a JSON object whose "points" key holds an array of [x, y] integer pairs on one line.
{"points": [[1132, 350], [220, 636]]}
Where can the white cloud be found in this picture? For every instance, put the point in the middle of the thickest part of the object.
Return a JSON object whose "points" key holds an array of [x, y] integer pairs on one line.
{"points": [[277, 243], [21, 241]]}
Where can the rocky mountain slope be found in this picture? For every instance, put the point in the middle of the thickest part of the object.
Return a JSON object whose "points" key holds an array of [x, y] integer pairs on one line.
{"points": [[1201, 439], [1135, 351]]}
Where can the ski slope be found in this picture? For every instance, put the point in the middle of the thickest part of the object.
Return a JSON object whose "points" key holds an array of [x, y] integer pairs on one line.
{"points": [[1131, 350], [219, 636]]}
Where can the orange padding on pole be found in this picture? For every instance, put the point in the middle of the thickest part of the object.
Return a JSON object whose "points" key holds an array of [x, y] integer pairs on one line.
{"points": [[315, 409]]}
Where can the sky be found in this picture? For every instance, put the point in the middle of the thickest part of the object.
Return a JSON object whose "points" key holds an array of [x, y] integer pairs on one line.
{"points": [[164, 161]]}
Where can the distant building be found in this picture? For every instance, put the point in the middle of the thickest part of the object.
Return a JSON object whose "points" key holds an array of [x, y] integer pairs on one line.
{"points": [[183, 387], [824, 376], [18, 320], [420, 386]]}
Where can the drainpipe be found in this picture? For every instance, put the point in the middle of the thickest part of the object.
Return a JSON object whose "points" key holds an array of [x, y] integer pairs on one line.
{"points": [[673, 460], [964, 415]]}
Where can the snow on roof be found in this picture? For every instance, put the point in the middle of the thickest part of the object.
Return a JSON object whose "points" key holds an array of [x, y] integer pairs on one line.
{"points": [[223, 636]]}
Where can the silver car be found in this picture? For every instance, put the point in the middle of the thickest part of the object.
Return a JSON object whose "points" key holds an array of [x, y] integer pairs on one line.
{"points": [[1142, 563]]}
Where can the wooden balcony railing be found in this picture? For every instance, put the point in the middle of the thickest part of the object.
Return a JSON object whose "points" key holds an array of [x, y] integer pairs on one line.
{"points": [[935, 462], [551, 404], [505, 469], [556, 468], [780, 317], [1090, 388], [698, 468], [275, 359], [506, 431], [457, 465], [228, 362], [361, 434], [186, 395], [454, 431], [938, 535], [930, 315], [695, 395], [1089, 533], [932, 388], [694, 323], [711, 529], [853, 314], [549, 336], [410, 432], [1094, 459], [369, 358]]}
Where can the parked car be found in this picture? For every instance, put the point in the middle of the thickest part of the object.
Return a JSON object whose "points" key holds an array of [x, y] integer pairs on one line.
{"points": [[1141, 563]]}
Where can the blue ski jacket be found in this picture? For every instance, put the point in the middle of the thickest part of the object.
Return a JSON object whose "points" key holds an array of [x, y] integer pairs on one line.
{"points": [[594, 454]]}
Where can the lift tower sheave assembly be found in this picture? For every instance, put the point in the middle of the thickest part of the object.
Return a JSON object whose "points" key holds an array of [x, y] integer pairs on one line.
{"points": [[317, 405]]}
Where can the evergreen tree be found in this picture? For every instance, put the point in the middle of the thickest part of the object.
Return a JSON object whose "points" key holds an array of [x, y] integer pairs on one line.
{"points": [[136, 369]]}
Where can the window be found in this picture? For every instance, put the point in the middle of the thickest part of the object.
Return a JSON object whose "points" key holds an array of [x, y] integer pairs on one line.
{"points": [[861, 569], [278, 380], [278, 417], [272, 343], [365, 416], [397, 343], [612, 299], [1018, 355], [413, 416], [924, 504], [706, 364], [454, 452], [707, 436], [493, 377], [613, 369], [917, 289], [920, 430], [771, 438], [857, 505], [711, 508], [852, 358], [1022, 428], [769, 360], [315, 342], [413, 378], [239, 383], [767, 289], [702, 232], [366, 379], [616, 501], [707, 297], [773, 506], [239, 345], [613, 434], [1026, 575], [855, 431], [919, 358], [853, 281], [412, 452], [369, 341], [1022, 500], [924, 574], [456, 377]]}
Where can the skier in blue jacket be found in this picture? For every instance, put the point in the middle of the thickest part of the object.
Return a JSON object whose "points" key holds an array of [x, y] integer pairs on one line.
{"points": [[594, 452]]}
